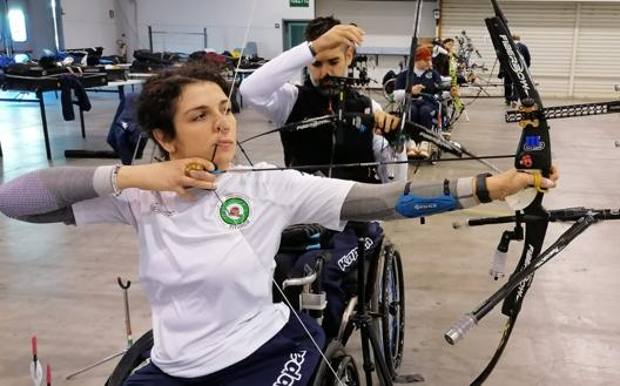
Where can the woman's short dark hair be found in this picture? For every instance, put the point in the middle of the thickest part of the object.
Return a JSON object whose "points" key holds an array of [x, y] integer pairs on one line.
{"points": [[160, 94], [318, 26]]}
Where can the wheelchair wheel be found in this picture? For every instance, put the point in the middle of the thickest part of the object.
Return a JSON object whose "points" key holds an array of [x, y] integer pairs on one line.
{"points": [[137, 356], [389, 303], [342, 363]]}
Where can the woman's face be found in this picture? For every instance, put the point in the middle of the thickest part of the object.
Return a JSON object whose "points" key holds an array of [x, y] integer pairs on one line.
{"points": [[204, 124]]}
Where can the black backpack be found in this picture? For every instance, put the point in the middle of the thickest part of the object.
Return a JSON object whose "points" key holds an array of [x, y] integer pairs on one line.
{"points": [[125, 135]]}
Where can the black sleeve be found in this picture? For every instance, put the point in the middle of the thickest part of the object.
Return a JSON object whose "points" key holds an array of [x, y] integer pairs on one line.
{"points": [[435, 84], [401, 81], [526, 55], [525, 52], [441, 63]]}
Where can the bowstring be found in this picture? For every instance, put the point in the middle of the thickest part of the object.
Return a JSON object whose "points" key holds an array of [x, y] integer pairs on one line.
{"points": [[267, 269], [236, 72], [404, 105]]}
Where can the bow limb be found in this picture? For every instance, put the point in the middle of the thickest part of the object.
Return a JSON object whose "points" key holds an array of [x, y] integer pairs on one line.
{"points": [[236, 72], [533, 155], [398, 138]]}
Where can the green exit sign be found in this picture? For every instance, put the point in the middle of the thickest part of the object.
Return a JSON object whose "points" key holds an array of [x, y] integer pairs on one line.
{"points": [[299, 3]]}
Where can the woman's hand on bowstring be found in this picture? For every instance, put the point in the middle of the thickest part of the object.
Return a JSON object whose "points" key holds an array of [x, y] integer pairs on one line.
{"points": [[384, 122], [513, 181], [173, 176]]}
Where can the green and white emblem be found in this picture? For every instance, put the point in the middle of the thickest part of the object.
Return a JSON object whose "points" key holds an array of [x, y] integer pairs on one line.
{"points": [[234, 211]]}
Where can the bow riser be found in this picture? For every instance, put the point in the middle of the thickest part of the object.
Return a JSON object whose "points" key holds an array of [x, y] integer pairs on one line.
{"points": [[533, 155], [534, 151]]}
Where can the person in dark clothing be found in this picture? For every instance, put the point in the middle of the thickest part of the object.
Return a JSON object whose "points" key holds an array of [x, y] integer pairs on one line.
{"points": [[441, 57], [510, 92], [425, 81], [328, 51]]}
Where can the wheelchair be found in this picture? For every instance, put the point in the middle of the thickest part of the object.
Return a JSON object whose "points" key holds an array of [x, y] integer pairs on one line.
{"points": [[310, 280], [383, 281], [445, 113]]}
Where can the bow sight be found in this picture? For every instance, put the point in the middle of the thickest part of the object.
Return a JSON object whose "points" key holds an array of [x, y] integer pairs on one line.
{"points": [[359, 64]]}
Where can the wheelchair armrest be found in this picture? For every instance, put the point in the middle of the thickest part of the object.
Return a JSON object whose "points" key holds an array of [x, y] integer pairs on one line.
{"points": [[312, 275], [429, 97], [300, 281], [312, 297], [440, 97], [445, 85]]}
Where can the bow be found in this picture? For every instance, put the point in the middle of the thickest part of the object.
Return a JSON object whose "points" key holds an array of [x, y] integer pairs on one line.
{"points": [[342, 120], [398, 138], [337, 119], [362, 122], [533, 156]]}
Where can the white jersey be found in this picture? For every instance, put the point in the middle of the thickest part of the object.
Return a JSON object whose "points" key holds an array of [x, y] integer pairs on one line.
{"points": [[207, 266]]}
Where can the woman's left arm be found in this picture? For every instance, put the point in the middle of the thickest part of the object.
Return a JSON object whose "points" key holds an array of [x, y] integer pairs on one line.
{"points": [[397, 200]]}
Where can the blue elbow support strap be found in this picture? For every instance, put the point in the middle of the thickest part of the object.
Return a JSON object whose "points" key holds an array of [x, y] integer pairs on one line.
{"points": [[410, 205]]}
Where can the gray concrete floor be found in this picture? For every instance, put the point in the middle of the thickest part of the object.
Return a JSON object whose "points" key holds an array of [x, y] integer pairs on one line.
{"points": [[59, 282]]}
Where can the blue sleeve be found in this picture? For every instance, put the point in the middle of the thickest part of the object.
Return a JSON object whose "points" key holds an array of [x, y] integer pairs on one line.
{"points": [[410, 205]]}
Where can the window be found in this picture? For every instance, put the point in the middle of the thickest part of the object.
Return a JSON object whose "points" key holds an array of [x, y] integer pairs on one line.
{"points": [[17, 24]]}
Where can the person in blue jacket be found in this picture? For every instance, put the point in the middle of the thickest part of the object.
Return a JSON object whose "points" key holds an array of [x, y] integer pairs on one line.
{"points": [[425, 81]]}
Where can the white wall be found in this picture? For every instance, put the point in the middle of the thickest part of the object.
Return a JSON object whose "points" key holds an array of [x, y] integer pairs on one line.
{"points": [[225, 21], [386, 23], [86, 23], [388, 26]]}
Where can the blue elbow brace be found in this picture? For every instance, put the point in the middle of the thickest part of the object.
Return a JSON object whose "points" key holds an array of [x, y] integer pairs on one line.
{"points": [[411, 206]]}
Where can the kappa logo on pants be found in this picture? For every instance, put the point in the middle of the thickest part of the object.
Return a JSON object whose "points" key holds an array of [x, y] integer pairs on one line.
{"points": [[291, 373]]}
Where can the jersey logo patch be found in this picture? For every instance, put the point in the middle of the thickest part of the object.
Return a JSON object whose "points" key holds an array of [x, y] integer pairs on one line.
{"points": [[234, 211]]}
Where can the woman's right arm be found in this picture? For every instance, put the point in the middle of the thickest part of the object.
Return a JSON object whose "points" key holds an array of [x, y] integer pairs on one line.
{"points": [[47, 195]]}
